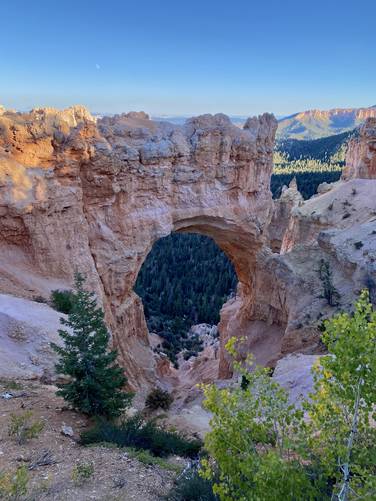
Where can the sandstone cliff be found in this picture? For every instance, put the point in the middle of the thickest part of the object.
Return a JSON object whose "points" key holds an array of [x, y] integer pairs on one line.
{"points": [[80, 194], [361, 157], [337, 226], [76, 194]]}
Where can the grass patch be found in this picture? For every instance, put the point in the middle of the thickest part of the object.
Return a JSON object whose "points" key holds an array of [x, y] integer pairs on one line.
{"points": [[82, 472], [14, 484], [140, 434], [22, 427], [149, 459], [142, 455], [10, 384]]}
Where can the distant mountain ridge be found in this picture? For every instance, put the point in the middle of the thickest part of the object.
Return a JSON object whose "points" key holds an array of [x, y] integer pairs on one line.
{"points": [[314, 124], [308, 125]]}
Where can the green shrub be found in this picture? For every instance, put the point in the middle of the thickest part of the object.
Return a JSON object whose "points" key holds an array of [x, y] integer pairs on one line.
{"points": [[140, 434], [263, 447], [23, 428], [13, 485], [82, 471], [191, 486], [253, 430], [145, 457], [10, 384], [62, 300], [342, 405], [158, 399]]}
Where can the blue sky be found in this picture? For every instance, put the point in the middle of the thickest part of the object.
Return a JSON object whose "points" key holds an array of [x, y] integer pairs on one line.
{"points": [[175, 57]]}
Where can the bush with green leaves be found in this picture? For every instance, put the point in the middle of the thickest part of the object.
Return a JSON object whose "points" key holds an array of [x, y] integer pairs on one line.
{"points": [[96, 382], [146, 457], [265, 449], [14, 484], [22, 427], [253, 430], [158, 399], [192, 486], [344, 402], [141, 434], [82, 471], [62, 300]]}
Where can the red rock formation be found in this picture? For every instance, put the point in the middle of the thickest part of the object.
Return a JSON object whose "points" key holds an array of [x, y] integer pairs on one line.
{"points": [[338, 226], [75, 194], [357, 113], [283, 206], [361, 154]]}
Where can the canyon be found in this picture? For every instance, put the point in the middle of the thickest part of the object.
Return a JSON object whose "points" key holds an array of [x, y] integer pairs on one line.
{"points": [[80, 194]]}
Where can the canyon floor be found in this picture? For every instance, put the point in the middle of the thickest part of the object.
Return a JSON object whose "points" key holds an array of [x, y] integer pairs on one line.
{"points": [[117, 475]]}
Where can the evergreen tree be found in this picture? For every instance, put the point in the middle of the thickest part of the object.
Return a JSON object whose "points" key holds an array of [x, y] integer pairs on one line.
{"points": [[95, 380]]}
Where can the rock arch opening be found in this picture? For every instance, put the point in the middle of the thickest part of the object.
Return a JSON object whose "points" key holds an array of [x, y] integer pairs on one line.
{"points": [[183, 283]]}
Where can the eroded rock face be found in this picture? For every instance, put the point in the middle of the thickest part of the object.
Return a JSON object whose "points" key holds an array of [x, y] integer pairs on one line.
{"points": [[294, 374], [94, 197], [338, 227], [361, 155], [283, 206], [27, 329]]}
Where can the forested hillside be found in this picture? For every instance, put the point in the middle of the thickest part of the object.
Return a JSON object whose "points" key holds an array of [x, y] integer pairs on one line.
{"points": [[311, 162], [327, 149], [186, 278], [307, 181]]}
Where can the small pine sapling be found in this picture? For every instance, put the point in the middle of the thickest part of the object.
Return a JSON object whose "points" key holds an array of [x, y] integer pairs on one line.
{"points": [[330, 293]]}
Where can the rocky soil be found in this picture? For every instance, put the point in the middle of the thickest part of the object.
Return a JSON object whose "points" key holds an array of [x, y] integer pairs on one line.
{"points": [[117, 475]]}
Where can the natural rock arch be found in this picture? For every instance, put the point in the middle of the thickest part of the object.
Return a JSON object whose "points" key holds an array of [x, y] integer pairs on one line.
{"points": [[76, 193], [208, 177], [96, 196]]}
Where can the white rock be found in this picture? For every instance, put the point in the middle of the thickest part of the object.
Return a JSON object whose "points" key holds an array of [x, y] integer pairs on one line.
{"points": [[293, 373], [67, 431]]}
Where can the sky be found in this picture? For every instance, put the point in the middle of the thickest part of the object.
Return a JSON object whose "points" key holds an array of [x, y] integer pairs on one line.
{"points": [[184, 58]]}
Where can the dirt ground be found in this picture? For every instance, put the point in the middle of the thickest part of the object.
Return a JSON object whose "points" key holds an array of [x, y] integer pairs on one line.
{"points": [[117, 475]]}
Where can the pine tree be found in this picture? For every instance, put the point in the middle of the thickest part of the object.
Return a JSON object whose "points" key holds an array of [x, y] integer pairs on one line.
{"points": [[95, 380]]}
